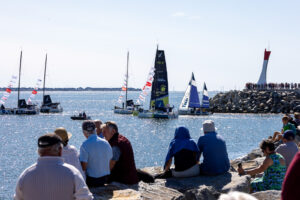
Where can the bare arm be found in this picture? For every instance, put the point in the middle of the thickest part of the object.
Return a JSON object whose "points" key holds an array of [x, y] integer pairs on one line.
{"points": [[168, 165], [112, 163], [83, 165], [267, 163]]}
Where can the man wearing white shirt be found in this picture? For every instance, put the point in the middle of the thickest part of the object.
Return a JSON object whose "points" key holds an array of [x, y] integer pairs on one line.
{"points": [[50, 178]]}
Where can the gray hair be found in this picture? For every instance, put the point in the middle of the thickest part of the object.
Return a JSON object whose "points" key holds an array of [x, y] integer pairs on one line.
{"points": [[50, 151], [237, 196]]}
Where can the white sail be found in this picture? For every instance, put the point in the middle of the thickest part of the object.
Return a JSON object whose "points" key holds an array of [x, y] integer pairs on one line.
{"points": [[186, 99]]}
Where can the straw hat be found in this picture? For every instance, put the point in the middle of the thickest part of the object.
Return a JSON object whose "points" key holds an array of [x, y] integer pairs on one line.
{"points": [[63, 134]]}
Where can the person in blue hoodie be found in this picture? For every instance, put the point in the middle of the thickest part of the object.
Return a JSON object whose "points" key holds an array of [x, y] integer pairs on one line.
{"points": [[213, 148], [186, 156]]}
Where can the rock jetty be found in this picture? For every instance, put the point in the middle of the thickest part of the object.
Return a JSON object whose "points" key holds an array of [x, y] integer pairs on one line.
{"points": [[255, 101], [194, 188]]}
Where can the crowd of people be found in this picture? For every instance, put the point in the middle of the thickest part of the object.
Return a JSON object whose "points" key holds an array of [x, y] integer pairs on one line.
{"points": [[272, 86], [61, 172]]}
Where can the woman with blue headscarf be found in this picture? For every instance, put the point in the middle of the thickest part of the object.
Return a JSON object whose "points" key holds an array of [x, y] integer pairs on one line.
{"points": [[186, 156]]}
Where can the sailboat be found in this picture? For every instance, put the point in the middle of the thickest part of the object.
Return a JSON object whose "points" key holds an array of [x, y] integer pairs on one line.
{"points": [[127, 105], [3, 109], [190, 104], [48, 106], [23, 108], [159, 103]]}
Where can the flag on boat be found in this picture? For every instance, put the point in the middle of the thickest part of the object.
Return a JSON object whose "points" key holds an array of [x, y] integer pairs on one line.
{"points": [[8, 90], [147, 87], [34, 91]]}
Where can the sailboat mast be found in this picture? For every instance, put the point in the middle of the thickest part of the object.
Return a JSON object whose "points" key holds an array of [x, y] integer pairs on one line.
{"points": [[44, 79], [126, 80], [19, 78]]}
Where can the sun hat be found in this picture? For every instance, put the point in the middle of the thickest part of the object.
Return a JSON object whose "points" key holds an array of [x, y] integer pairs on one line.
{"points": [[88, 125], [208, 126], [48, 140], [63, 134]]}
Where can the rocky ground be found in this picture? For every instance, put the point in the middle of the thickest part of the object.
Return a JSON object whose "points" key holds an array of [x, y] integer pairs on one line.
{"points": [[254, 101], [194, 188]]}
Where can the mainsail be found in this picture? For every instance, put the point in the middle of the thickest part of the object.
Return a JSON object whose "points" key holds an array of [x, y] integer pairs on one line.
{"points": [[125, 85], [8, 90], [147, 87], [160, 92], [205, 98], [191, 97]]}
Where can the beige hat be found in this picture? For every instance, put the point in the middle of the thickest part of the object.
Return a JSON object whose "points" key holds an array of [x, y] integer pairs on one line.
{"points": [[63, 134], [208, 126]]}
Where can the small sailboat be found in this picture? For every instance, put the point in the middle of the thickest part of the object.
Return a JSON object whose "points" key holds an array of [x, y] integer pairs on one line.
{"points": [[48, 106], [23, 108], [81, 116], [127, 105], [159, 103], [190, 104]]}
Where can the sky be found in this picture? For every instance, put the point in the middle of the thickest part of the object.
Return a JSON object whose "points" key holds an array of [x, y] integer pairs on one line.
{"points": [[222, 42]]}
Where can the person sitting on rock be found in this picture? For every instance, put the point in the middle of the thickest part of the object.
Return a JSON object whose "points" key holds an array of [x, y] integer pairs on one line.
{"points": [[289, 149], [122, 164], [273, 166], [297, 118], [186, 156], [213, 147], [277, 136]]}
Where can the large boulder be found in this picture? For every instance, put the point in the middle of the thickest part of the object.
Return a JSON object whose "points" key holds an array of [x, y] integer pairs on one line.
{"points": [[268, 195], [202, 193]]}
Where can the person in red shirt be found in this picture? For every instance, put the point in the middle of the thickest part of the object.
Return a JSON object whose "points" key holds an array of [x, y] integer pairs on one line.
{"points": [[291, 183]]}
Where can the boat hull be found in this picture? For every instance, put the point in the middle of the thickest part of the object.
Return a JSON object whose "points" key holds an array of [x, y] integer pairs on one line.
{"points": [[195, 113], [25, 111], [123, 111], [80, 118], [47, 109], [157, 115]]}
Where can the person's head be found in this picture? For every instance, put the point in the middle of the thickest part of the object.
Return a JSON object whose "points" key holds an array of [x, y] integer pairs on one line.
{"points": [[50, 145], [88, 128], [63, 134], [236, 196], [288, 136], [297, 115], [109, 130], [267, 147], [98, 124], [208, 126], [285, 119], [182, 133]]}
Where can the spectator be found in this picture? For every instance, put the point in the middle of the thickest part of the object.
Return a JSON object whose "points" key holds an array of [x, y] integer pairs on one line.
{"points": [[98, 124], [50, 177], [289, 149], [273, 167], [122, 164], [69, 152], [95, 155], [290, 186], [186, 156], [286, 126], [213, 147]]}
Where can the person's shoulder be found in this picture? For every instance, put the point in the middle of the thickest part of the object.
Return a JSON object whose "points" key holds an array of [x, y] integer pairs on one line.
{"points": [[71, 169], [71, 148], [28, 171]]}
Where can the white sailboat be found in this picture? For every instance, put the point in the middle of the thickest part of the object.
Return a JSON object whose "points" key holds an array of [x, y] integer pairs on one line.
{"points": [[48, 106], [190, 104], [23, 108], [127, 105]]}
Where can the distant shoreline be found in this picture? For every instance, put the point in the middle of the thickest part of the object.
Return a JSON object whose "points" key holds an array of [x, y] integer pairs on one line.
{"points": [[71, 89]]}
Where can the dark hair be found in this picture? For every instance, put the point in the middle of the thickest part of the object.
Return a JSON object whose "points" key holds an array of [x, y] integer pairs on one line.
{"points": [[285, 118], [267, 143], [112, 125], [65, 143]]}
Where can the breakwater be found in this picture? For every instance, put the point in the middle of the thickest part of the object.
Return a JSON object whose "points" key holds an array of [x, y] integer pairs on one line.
{"points": [[256, 101]]}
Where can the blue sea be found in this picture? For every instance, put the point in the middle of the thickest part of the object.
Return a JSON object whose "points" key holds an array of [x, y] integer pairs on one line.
{"points": [[149, 137]]}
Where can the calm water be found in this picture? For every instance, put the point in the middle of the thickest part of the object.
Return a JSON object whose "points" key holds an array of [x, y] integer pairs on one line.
{"points": [[149, 137]]}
